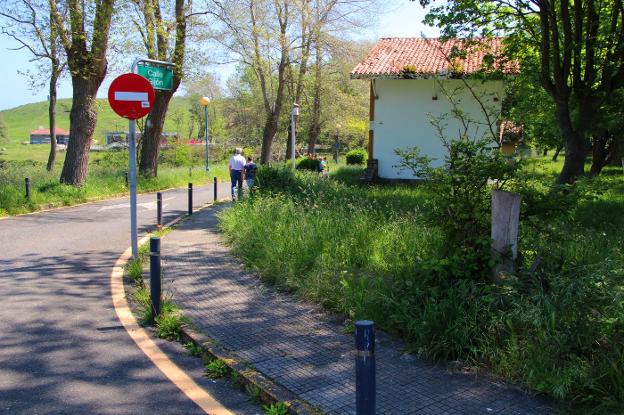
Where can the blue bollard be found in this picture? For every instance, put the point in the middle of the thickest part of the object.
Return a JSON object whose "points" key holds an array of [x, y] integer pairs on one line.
{"points": [[365, 386], [215, 189], [155, 273], [190, 198], [27, 184], [159, 210]]}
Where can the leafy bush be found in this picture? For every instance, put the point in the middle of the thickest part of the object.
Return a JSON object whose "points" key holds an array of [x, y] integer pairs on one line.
{"points": [[308, 164], [460, 200], [356, 157]]}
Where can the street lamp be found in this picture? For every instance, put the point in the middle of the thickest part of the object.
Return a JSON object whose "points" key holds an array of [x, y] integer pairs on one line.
{"points": [[295, 115], [337, 144], [205, 101]]}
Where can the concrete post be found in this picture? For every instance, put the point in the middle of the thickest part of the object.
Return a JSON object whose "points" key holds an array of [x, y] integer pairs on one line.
{"points": [[505, 223]]}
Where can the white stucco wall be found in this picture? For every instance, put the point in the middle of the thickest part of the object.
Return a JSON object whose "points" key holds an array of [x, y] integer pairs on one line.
{"points": [[402, 120]]}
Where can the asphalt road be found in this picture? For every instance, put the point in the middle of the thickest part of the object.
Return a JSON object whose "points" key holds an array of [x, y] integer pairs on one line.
{"points": [[62, 348]]}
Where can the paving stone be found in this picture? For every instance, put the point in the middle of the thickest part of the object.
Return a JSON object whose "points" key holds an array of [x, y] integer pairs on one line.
{"points": [[304, 349]]}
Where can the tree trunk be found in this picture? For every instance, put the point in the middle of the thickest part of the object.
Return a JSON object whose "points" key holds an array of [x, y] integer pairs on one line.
{"points": [[574, 162], [52, 119], [315, 124], [600, 153], [557, 151], [268, 133], [82, 120], [152, 133], [576, 142], [545, 152]]}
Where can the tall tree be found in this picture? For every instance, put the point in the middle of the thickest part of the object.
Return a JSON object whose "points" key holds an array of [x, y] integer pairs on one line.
{"points": [[84, 37], [156, 28], [257, 33], [29, 25], [581, 54]]}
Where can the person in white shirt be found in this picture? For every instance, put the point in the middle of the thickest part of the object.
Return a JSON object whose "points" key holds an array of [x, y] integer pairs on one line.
{"points": [[237, 163]]}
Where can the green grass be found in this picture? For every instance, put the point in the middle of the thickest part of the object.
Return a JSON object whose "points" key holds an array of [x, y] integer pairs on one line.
{"points": [[105, 179], [368, 253], [216, 369], [20, 121]]}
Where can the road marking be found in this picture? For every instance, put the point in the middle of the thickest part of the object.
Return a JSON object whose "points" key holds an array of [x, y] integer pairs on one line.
{"points": [[176, 375], [145, 205]]}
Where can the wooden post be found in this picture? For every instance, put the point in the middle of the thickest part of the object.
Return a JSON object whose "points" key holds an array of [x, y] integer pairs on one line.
{"points": [[505, 223], [371, 120]]}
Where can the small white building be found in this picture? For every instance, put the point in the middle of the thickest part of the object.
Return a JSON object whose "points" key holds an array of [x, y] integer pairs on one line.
{"points": [[415, 81]]}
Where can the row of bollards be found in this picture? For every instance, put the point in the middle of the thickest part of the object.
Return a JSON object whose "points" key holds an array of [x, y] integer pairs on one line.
{"points": [[365, 382], [155, 267]]}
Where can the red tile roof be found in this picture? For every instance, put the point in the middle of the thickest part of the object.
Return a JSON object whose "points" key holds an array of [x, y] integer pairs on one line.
{"points": [[42, 131], [419, 57]]}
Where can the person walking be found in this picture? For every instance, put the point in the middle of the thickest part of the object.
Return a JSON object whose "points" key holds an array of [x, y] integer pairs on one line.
{"points": [[250, 172], [236, 166]]}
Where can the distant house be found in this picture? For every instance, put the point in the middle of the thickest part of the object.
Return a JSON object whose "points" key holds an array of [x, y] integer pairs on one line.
{"points": [[42, 136], [410, 80], [117, 139]]}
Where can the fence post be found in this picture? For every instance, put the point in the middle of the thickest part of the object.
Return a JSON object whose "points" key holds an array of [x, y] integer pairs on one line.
{"points": [[27, 184], [190, 198], [159, 210], [365, 386], [155, 275], [505, 223], [215, 188]]}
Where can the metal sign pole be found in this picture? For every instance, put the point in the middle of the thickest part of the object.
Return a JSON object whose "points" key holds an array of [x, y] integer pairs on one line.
{"points": [[133, 189], [132, 166]]}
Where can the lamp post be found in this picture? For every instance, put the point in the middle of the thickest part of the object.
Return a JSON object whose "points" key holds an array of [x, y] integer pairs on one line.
{"points": [[295, 116], [205, 101], [337, 143]]}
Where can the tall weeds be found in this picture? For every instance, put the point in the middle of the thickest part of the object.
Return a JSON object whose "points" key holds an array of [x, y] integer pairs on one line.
{"points": [[368, 252]]}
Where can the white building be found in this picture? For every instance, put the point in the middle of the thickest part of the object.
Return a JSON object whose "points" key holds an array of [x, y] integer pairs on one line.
{"points": [[415, 81]]}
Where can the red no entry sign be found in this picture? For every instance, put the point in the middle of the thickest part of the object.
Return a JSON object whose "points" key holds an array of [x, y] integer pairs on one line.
{"points": [[131, 96]]}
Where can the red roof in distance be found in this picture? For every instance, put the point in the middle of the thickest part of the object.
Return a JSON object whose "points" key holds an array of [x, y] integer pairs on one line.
{"points": [[46, 131], [420, 57]]}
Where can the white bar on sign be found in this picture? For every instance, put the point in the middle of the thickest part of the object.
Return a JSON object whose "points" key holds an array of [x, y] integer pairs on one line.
{"points": [[131, 96]]}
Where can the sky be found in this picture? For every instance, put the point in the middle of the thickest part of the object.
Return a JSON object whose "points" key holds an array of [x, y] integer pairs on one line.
{"points": [[404, 19]]}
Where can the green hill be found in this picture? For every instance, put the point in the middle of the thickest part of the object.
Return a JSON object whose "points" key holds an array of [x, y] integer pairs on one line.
{"points": [[20, 121]]}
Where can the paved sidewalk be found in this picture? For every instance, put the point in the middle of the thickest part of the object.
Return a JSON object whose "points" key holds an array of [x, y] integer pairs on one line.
{"points": [[301, 348]]}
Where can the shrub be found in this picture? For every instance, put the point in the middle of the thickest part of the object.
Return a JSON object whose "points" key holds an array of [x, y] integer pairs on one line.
{"points": [[308, 164], [357, 157], [460, 200]]}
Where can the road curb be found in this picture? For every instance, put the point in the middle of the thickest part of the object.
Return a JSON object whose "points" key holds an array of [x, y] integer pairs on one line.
{"points": [[270, 392]]}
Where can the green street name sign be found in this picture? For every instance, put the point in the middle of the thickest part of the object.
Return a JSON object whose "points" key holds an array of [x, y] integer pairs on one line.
{"points": [[160, 78]]}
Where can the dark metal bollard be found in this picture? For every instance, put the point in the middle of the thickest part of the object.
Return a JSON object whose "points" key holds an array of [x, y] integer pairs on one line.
{"points": [[27, 183], [126, 178], [190, 198], [159, 210], [215, 189], [155, 274], [365, 386]]}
